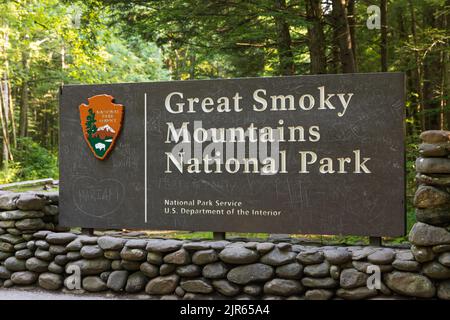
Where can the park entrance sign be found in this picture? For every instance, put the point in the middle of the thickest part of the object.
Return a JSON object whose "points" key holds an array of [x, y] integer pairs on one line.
{"points": [[305, 154]]}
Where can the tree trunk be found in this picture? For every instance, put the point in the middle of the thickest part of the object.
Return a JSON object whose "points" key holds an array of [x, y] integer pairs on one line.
{"points": [[383, 39], [23, 124], [286, 57], [418, 69], [431, 78], [352, 24], [344, 36], [7, 155], [446, 69], [316, 37]]}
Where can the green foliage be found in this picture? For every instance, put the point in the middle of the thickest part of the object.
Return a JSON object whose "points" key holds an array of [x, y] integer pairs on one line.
{"points": [[91, 128], [31, 162]]}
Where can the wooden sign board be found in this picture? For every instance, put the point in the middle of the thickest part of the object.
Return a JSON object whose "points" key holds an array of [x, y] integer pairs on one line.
{"points": [[304, 154]]}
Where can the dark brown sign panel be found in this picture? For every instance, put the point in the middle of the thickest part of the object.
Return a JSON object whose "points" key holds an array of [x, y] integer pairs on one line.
{"points": [[305, 154]]}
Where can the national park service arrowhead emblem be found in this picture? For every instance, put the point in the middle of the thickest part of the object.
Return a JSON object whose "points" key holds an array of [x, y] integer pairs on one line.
{"points": [[101, 121]]}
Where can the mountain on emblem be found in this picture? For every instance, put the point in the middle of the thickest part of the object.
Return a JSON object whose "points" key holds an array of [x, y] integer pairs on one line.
{"points": [[101, 121]]}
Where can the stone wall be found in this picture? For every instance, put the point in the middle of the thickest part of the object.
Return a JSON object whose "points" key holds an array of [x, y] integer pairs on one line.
{"points": [[35, 252]]}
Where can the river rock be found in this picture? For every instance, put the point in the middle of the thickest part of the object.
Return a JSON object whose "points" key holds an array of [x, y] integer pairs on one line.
{"points": [[136, 282], [179, 257], [435, 136], [130, 265], [166, 269], [356, 294], [20, 215], [196, 286], [91, 266], [277, 257], [430, 197], [250, 273], [60, 237], [112, 254], [50, 281], [238, 255], [4, 273], [41, 234], [36, 265], [203, 257], [155, 258], [24, 254], [406, 265], [61, 260], [149, 270], [383, 256], [13, 239], [351, 278], [362, 254], [226, 288], [7, 224], [57, 249], [363, 266], [94, 284], [319, 294], [283, 287], [434, 149], [264, 247], [422, 254], [292, 270], [30, 224], [162, 285], [24, 278], [410, 284], [73, 255], [337, 256], [29, 201], [14, 264], [117, 280], [320, 270], [53, 267], [51, 210], [43, 255], [74, 245], [136, 243], [444, 259], [435, 270], [219, 245], [310, 257], [433, 165], [6, 247], [441, 248], [443, 291], [157, 245], [320, 283], [253, 289], [215, 270], [91, 252], [189, 271], [8, 200], [196, 245], [133, 254], [423, 234], [434, 216], [404, 255], [111, 243]]}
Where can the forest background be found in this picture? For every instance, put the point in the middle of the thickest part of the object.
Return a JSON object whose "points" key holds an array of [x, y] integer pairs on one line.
{"points": [[47, 43]]}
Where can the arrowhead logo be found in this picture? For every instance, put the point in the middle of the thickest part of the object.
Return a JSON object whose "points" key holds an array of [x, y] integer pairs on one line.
{"points": [[101, 121]]}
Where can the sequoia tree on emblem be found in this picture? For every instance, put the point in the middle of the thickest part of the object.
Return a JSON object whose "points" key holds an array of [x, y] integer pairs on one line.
{"points": [[101, 121]]}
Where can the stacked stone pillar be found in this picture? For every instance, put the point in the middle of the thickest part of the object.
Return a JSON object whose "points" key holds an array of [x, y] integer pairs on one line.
{"points": [[430, 235]]}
